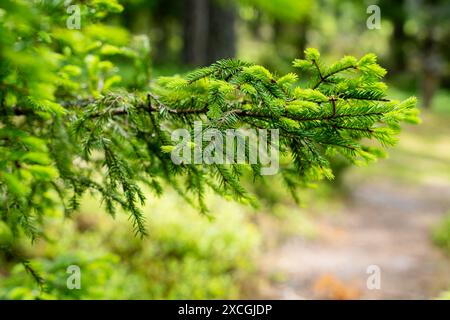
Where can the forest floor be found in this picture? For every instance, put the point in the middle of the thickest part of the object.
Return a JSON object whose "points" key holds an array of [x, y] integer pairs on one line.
{"points": [[384, 221]]}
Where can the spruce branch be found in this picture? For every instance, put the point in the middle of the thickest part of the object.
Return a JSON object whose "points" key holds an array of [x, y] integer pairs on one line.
{"points": [[113, 144]]}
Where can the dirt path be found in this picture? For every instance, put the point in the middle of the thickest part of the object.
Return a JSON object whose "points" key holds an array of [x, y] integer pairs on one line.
{"points": [[385, 225]]}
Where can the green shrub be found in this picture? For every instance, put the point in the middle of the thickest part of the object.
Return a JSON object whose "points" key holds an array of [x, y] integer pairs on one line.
{"points": [[441, 234], [185, 256], [445, 295], [441, 237]]}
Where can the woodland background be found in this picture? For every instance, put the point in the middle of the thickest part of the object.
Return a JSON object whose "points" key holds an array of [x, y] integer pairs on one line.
{"points": [[394, 214]]}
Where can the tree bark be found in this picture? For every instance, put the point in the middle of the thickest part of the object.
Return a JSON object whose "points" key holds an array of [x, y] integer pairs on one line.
{"points": [[432, 67], [195, 32], [398, 45], [208, 31], [222, 33]]}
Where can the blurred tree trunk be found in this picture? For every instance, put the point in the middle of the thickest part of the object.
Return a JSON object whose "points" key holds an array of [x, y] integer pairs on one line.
{"points": [[430, 83], [209, 31], [398, 44], [195, 32], [161, 42], [431, 70], [255, 25], [279, 30], [301, 40], [395, 12], [222, 33], [294, 33], [156, 19], [434, 48]]}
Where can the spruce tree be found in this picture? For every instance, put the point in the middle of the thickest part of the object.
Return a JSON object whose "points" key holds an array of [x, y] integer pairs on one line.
{"points": [[69, 127]]}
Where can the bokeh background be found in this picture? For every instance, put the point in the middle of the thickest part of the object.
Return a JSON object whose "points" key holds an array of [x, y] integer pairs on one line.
{"points": [[394, 214]]}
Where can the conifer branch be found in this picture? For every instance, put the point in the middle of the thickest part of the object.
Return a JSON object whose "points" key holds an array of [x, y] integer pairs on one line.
{"points": [[325, 78], [322, 78], [112, 144]]}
